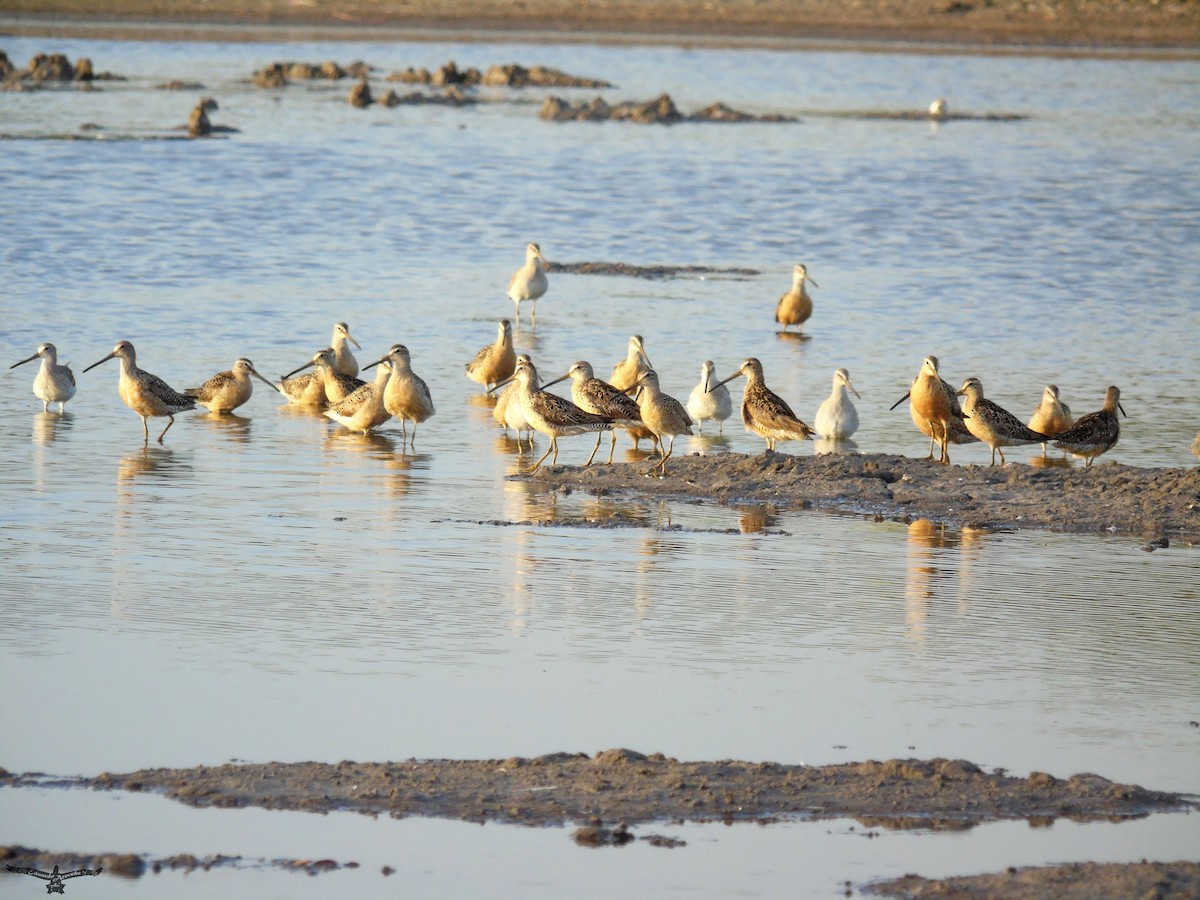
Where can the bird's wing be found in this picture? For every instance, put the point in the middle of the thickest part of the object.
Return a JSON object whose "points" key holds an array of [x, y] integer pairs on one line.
{"points": [[28, 870], [75, 873]]}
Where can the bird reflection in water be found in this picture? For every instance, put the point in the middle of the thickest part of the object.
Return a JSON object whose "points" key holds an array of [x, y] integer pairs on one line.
{"points": [[832, 445], [757, 517], [233, 426], [706, 441], [932, 569], [47, 426], [1050, 462], [151, 462]]}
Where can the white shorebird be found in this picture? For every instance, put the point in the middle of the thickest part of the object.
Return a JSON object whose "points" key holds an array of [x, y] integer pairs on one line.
{"points": [[509, 412], [53, 383], [226, 391], [147, 395], [529, 282], [343, 360], [837, 419], [709, 406]]}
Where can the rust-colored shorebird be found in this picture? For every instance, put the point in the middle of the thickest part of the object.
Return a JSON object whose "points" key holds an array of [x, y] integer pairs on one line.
{"points": [[343, 360], [147, 395], [364, 410], [796, 305], [933, 405], [627, 372], [992, 423], [53, 383], [406, 396], [496, 362], [1052, 415], [550, 414], [837, 419], [529, 283], [709, 406], [663, 416], [1096, 432], [226, 391], [593, 395], [764, 412]]}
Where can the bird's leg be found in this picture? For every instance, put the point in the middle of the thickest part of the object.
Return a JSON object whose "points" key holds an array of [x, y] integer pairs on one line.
{"points": [[1003, 461], [599, 438], [544, 455], [170, 422], [612, 447], [145, 431], [554, 445]]}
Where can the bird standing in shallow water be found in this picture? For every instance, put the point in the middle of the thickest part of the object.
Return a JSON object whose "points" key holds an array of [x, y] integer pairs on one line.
{"points": [[53, 383], [837, 419], [334, 386], [1095, 433], [550, 414], [1051, 416], [796, 305], [626, 373], [364, 409], [147, 395], [663, 416], [406, 396], [343, 360], [992, 423], [592, 395], [529, 283], [497, 361], [226, 391], [709, 406], [764, 412]]}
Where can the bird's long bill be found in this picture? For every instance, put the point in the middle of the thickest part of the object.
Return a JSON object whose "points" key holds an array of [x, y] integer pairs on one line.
{"points": [[726, 381], [809, 279], [898, 402], [265, 381], [1122, 409], [498, 385], [354, 342], [856, 393], [374, 364], [556, 381], [106, 359], [706, 380], [645, 359], [307, 365], [22, 362]]}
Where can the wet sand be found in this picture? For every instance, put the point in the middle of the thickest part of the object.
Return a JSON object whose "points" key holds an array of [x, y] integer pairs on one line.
{"points": [[982, 24], [1151, 504]]}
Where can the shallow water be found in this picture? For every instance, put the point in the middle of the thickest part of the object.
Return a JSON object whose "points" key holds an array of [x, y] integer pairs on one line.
{"points": [[271, 587]]}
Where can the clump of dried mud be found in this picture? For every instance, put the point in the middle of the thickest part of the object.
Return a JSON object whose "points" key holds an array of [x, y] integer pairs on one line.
{"points": [[1076, 881]]}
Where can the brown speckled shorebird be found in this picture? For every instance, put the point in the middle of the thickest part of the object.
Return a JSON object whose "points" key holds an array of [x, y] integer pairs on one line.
{"points": [[627, 372], [529, 283], [935, 410], [550, 414], [335, 386], [796, 305], [663, 415], [1052, 415], [363, 410], [406, 396], [147, 395], [496, 362], [1096, 432], [592, 395], [343, 360], [53, 383], [992, 423], [764, 412], [709, 406], [226, 391]]}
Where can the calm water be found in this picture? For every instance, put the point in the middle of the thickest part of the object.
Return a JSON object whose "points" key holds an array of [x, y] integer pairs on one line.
{"points": [[270, 587]]}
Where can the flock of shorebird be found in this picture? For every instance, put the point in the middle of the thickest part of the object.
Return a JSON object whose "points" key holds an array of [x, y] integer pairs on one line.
{"points": [[525, 404]]}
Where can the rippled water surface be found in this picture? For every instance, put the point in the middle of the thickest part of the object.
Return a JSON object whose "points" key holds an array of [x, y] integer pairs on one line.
{"points": [[268, 586]]}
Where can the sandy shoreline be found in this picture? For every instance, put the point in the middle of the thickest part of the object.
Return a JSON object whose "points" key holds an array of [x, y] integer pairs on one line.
{"points": [[1074, 26]]}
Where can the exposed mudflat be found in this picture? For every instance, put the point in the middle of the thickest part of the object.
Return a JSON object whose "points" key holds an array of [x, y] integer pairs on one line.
{"points": [[625, 786], [1077, 881], [1109, 497], [134, 865]]}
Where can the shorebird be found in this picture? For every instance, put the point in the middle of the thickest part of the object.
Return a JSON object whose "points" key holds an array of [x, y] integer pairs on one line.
{"points": [[529, 283], [599, 397], [938, 109], [934, 408], [992, 423], [226, 391], [1096, 432], [509, 412], [344, 361], [147, 395], [795, 306], [764, 412], [335, 386], [495, 362], [53, 383], [1051, 415], [704, 405], [663, 416], [406, 396], [627, 372], [550, 414], [307, 389], [364, 409], [837, 419]]}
